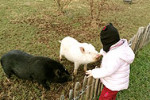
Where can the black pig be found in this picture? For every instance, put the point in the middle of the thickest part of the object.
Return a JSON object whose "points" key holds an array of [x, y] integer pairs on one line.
{"points": [[29, 67]]}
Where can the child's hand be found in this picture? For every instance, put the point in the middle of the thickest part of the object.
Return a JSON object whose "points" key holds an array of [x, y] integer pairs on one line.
{"points": [[89, 73]]}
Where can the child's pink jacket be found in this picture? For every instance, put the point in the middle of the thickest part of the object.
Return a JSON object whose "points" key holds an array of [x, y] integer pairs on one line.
{"points": [[115, 67]]}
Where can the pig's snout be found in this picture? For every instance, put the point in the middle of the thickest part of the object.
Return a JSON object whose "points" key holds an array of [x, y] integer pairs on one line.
{"points": [[98, 56]]}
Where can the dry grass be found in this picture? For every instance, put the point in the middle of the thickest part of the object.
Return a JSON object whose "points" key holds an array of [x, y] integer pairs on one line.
{"points": [[36, 26]]}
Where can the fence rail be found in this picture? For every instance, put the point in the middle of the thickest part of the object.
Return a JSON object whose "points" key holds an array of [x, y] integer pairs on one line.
{"points": [[91, 88]]}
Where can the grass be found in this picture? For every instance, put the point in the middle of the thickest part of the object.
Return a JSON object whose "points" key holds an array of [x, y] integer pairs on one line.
{"points": [[139, 86], [36, 26]]}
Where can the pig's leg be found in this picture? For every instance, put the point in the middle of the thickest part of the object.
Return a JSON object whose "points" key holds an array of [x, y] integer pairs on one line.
{"points": [[76, 66], [60, 57], [60, 53], [85, 67]]}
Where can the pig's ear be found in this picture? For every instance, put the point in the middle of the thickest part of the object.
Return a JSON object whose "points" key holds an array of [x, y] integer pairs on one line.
{"points": [[82, 49], [57, 73]]}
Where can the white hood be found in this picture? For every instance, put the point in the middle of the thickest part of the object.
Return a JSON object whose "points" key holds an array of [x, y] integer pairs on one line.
{"points": [[126, 53]]}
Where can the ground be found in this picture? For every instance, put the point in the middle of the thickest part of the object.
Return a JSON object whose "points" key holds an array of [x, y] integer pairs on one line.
{"points": [[36, 26]]}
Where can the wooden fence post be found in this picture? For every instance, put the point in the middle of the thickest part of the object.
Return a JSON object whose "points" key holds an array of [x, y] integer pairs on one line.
{"points": [[71, 94], [62, 97], [146, 37], [133, 42], [136, 40], [88, 88], [92, 89], [77, 90], [96, 88], [100, 88], [84, 87], [140, 38], [148, 34]]}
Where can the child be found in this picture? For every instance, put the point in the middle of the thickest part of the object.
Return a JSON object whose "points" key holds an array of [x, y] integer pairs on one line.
{"points": [[115, 67]]}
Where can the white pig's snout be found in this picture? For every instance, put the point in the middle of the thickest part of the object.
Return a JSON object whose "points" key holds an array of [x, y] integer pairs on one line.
{"points": [[98, 56]]}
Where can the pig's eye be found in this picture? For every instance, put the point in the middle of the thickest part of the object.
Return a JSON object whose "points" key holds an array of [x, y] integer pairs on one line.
{"points": [[89, 52], [58, 73]]}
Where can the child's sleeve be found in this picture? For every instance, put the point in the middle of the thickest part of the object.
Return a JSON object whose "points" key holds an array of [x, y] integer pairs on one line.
{"points": [[107, 68]]}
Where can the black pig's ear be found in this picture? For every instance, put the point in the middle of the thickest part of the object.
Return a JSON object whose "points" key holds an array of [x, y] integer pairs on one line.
{"points": [[57, 73], [82, 49]]}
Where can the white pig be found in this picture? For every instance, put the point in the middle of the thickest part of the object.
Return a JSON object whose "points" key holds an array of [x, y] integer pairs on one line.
{"points": [[79, 53]]}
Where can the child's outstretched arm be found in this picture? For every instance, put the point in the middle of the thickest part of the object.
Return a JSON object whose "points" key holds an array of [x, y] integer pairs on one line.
{"points": [[107, 68]]}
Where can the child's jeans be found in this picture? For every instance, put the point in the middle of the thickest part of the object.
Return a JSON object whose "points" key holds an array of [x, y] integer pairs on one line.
{"points": [[107, 94]]}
